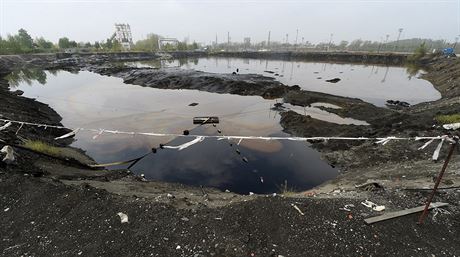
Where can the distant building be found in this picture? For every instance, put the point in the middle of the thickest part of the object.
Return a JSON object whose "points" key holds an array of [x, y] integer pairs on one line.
{"points": [[123, 35]]}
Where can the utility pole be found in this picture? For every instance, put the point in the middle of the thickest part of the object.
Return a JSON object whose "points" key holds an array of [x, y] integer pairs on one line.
{"points": [[228, 38], [397, 40], [386, 41], [330, 42], [216, 39], [287, 38], [268, 41], [296, 35]]}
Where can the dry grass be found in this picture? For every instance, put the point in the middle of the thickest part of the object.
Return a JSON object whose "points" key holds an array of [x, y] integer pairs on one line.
{"points": [[447, 119], [42, 147]]}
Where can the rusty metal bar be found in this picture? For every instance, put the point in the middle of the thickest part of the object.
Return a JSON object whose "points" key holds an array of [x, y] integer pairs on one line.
{"points": [[438, 180]]}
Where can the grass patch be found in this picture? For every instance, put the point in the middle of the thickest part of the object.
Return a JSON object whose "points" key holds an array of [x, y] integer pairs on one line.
{"points": [[447, 119], [287, 191], [42, 147]]}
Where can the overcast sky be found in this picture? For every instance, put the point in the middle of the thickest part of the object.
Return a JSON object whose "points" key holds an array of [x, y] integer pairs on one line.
{"points": [[200, 20]]}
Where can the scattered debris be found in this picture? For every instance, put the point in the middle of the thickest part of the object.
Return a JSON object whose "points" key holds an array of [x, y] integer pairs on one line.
{"points": [[205, 120], [437, 210], [193, 104], [369, 186], [7, 209], [372, 205], [9, 154], [396, 214], [297, 208], [453, 126], [278, 107], [123, 217], [397, 103], [334, 80], [269, 71], [347, 207]]}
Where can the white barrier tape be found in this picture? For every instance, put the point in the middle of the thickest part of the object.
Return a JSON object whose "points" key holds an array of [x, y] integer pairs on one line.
{"points": [[98, 134], [438, 149], [6, 125], [185, 145], [381, 140], [20, 127], [72, 133], [385, 140], [426, 144]]}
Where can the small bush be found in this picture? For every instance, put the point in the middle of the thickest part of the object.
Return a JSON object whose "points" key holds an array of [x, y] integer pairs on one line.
{"points": [[447, 119], [42, 147], [419, 53]]}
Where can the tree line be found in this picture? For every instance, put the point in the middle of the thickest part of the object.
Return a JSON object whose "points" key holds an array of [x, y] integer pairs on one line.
{"points": [[23, 43]]}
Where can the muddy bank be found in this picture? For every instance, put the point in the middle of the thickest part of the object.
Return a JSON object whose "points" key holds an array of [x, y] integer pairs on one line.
{"points": [[340, 57], [174, 78], [46, 218]]}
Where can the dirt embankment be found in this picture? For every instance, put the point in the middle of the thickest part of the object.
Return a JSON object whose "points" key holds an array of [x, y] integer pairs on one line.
{"points": [[337, 57]]}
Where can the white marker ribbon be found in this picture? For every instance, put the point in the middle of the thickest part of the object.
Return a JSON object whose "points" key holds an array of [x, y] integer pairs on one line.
{"points": [[72, 133], [5, 126], [384, 141], [185, 145], [426, 144], [20, 127], [98, 134], [438, 149]]}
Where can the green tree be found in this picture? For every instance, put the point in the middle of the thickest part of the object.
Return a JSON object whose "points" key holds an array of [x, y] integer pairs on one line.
{"points": [[43, 45], [25, 41], [64, 43], [148, 44]]}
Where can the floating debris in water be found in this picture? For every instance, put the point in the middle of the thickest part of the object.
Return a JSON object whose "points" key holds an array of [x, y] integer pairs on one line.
{"points": [[334, 80]]}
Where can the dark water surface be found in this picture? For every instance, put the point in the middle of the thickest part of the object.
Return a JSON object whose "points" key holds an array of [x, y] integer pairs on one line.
{"points": [[90, 100]]}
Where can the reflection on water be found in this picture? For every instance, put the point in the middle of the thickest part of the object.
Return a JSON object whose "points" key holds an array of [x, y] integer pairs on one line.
{"points": [[28, 76], [374, 84], [93, 101]]}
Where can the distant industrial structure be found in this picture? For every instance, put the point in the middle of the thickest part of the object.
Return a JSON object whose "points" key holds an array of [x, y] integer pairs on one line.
{"points": [[173, 41], [123, 35]]}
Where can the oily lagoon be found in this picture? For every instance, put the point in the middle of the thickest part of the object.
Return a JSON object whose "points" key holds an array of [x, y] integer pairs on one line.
{"points": [[371, 83], [90, 100]]}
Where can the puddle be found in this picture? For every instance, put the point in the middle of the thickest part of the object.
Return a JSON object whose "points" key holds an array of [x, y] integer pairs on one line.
{"points": [[90, 100], [373, 84]]}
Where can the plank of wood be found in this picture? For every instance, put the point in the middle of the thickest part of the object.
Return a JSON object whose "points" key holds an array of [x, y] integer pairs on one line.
{"points": [[396, 214]]}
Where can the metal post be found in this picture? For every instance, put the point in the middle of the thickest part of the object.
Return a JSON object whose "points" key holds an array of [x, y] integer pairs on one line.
{"points": [[438, 180], [397, 40]]}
